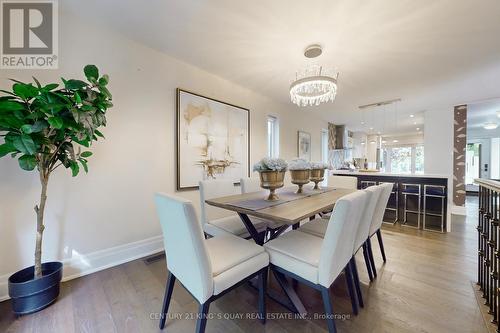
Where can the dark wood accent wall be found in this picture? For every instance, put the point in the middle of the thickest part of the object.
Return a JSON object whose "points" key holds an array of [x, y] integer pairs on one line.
{"points": [[459, 146]]}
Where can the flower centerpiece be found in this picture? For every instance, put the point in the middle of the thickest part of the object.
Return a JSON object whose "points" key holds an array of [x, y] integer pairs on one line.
{"points": [[272, 174], [300, 170], [318, 173]]}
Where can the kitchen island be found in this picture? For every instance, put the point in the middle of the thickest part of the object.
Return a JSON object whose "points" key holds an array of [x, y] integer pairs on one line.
{"points": [[418, 200]]}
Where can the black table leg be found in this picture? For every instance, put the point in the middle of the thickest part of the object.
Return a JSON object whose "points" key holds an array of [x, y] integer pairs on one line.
{"points": [[256, 236], [290, 293]]}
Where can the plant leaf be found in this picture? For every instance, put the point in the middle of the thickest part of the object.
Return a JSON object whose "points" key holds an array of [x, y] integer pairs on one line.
{"points": [[6, 105], [86, 154], [91, 72], [74, 84], [26, 128], [38, 126], [25, 144], [55, 122], [84, 165], [27, 162], [75, 169], [6, 148]]}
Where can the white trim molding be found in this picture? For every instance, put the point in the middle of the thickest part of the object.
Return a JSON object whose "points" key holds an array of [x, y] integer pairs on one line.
{"points": [[458, 210], [83, 264]]}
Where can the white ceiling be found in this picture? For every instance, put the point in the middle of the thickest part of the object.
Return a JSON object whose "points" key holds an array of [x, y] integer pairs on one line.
{"points": [[431, 53]]}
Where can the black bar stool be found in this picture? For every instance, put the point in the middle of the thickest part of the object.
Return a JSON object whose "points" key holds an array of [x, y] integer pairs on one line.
{"points": [[367, 183], [412, 190], [394, 196], [438, 192]]}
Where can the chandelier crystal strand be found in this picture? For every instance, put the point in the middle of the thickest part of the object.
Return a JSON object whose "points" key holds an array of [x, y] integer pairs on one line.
{"points": [[312, 87]]}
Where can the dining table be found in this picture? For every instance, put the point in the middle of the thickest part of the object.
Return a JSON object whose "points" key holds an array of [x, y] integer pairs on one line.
{"points": [[288, 211]]}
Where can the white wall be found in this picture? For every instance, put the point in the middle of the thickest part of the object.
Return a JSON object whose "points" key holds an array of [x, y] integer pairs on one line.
{"points": [[438, 149], [113, 204]]}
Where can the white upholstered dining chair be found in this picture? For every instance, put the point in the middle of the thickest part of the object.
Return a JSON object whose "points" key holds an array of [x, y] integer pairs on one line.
{"points": [[316, 261], [217, 221], [249, 185], [378, 217], [318, 228], [206, 268]]}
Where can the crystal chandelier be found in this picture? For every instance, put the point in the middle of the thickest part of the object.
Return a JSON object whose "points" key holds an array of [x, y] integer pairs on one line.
{"points": [[314, 85]]}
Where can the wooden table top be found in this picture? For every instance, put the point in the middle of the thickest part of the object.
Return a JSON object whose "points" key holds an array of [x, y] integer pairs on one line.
{"points": [[289, 212]]}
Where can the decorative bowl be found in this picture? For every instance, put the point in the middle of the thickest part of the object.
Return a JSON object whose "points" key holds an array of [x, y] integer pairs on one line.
{"points": [[300, 178], [317, 175], [272, 180]]}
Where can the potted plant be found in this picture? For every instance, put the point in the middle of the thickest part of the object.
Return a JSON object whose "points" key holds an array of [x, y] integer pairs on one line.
{"points": [[44, 127], [300, 172], [318, 173], [272, 174]]}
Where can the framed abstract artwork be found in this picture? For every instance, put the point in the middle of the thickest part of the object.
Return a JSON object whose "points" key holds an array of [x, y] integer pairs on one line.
{"points": [[304, 145], [212, 140]]}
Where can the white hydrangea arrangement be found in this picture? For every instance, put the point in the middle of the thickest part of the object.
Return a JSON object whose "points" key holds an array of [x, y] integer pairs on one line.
{"points": [[319, 165], [270, 164], [299, 164]]}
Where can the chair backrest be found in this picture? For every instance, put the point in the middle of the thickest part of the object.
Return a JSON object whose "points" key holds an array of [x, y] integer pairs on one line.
{"points": [[210, 189], [373, 195], [185, 249], [250, 185], [378, 215], [343, 182], [338, 243]]}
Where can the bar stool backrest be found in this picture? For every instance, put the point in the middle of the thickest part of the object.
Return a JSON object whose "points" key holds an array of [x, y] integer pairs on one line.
{"points": [[338, 243], [185, 249], [214, 188], [378, 215], [373, 195]]}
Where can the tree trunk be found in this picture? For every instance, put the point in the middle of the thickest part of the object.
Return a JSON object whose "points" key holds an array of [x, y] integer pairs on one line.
{"points": [[44, 179]]}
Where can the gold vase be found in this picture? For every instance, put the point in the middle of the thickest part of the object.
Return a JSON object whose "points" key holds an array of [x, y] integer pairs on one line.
{"points": [[271, 180], [300, 178], [317, 176]]}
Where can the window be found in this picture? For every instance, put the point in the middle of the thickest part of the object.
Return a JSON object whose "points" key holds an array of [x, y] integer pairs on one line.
{"points": [[273, 136], [404, 159]]}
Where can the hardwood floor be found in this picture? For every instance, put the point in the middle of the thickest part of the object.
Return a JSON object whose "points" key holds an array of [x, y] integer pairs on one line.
{"points": [[425, 286]]}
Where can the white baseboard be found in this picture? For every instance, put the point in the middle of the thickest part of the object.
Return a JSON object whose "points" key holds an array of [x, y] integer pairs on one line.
{"points": [[458, 210], [83, 264]]}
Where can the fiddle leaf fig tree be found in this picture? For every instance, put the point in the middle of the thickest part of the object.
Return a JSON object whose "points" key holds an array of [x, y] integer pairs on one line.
{"points": [[48, 126]]}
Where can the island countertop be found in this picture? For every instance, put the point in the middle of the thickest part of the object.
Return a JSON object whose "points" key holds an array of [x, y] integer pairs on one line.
{"points": [[387, 174]]}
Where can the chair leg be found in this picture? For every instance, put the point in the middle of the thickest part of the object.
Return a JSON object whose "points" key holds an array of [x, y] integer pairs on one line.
{"points": [[370, 256], [169, 288], [367, 261], [201, 323], [355, 277], [381, 244], [327, 302], [262, 295], [350, 288]]}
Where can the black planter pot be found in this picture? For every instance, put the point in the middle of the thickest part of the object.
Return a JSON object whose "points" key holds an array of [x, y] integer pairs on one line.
{"points": [[29, 295]]}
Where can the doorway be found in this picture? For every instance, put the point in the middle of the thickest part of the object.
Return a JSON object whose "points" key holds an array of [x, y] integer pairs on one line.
{"points": [[472, 166]]}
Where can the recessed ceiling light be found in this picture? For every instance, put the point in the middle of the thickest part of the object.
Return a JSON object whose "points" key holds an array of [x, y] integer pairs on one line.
{"points": [[362, 123], [395, 141], [373, 141], [414, 123], [418, 128], [490, 126], [363, 143], [498, 114], [412, 115], [371, 128], [383, 141]]}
